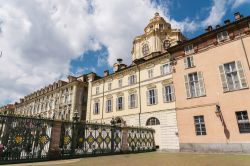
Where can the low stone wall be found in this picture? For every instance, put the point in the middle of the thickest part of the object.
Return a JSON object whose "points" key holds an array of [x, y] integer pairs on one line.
{"points": [[216, 147]]}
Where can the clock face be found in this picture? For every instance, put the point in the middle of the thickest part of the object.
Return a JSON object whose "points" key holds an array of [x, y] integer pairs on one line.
{"points": [[166, 44]]}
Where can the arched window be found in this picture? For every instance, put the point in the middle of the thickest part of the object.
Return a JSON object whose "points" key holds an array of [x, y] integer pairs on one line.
{"points": [[152, 121], [145, 49]]}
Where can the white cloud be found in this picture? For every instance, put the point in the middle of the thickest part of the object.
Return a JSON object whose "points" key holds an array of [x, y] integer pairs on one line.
{"points": [[40, 37], [237, 3], [216, 13]]}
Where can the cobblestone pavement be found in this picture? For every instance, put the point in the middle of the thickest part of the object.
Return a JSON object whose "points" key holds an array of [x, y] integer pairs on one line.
{"points": [[155, 159]]}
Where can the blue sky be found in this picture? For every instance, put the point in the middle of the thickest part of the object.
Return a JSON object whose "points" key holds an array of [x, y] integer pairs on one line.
{"points": [[178, 10], [45, 40]]}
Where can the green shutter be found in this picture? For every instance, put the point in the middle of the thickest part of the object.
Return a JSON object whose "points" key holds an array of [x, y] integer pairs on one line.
{"points": [[161, 69], [164, 94], [136, 100], [156, 96], [223, 79], [148, 101], [241, 75], [129, 101], [187, 86], [172, 90], [185, 63], [201, 84]]}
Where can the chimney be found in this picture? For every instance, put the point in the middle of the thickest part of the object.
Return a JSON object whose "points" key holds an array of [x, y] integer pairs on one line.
{"points": [[227, 22], [237, 16], [209, 28], [71, 78], [217, 26], [106, 73], [119, 60]]}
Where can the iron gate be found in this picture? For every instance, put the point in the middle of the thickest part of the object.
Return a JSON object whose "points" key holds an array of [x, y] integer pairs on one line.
{"points": [[24, 139]]}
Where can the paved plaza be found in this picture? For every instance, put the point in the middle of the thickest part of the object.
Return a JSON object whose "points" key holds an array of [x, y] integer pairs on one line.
{"points": [[155, 159]]}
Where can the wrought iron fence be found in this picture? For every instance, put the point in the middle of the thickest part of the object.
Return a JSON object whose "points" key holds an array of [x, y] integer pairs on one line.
{"points": [[24, 139]]}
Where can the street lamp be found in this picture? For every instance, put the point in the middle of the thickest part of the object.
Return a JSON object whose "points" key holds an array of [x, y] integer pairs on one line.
{"points": [[76, 117], [218, 110], [113, 121]]}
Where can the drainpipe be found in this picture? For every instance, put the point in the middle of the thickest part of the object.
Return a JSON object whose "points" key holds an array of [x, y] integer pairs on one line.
{"points": [[244, 49], [139, 93], [102, 99]]}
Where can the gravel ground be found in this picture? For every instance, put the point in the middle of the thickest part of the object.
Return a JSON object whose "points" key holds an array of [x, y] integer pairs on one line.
{"points": [[155, 159]]}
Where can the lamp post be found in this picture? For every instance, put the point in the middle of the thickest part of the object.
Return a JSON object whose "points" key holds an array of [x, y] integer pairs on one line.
{"points": [[218, 110], [76, 117], [113, 123], [74, 132]]}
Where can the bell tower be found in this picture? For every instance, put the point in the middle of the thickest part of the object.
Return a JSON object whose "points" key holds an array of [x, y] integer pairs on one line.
{"points": [[158, 36]]}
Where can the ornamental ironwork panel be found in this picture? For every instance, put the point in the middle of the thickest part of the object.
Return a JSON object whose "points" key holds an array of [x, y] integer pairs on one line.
{"points": [[86, 139], [24, 138], [140, 139]]}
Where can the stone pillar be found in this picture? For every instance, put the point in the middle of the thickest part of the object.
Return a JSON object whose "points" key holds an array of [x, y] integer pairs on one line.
{"points": [[54, 149], [124, 146]]}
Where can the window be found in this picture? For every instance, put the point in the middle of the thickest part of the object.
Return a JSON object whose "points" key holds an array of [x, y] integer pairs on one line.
{"points": [[150, 73], [120, 83], [145, 49], [160, 26], [194, 85], [109, 86], [222, 36], [109, 105], [132, 101], [189, 62], [200, 127], [152, 97], [168, 93], [132, 79], [188, 49], [152, 121], [166, 69], [96, 108], [166, 44], [97, 90], [243, 121], [232, 76], [119, 103]]}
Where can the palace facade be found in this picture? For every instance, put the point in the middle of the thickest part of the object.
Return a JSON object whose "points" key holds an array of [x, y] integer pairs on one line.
{"points": [[61, 100], [211, 81], [141, 94], [194, 93]]}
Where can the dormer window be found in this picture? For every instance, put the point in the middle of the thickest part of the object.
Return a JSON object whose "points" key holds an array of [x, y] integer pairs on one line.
{"points": [[189, 49], [222, 36], [145, 49], [166, 44]]}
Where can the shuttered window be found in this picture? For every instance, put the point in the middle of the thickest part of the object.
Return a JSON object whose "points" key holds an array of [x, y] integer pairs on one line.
{"points": [[119, 103], [189, 62], [132, 101], [168, 93], [221, 36], [132, 79], [194, 85], [109, 105], [188, 49], [232, 76], [166, 69], [96, 108], [152, 97]]}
